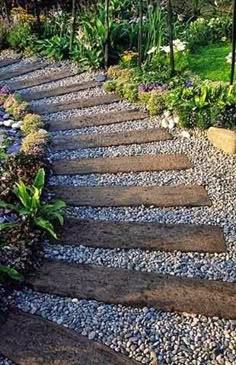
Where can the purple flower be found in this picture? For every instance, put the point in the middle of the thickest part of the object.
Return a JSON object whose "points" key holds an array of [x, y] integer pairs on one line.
{"points": [[189, 83], [4, 90], [154, 86]]}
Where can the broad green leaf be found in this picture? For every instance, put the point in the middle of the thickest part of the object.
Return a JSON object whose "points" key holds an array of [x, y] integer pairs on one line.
{"points": [[46, 225], [39, 180]]}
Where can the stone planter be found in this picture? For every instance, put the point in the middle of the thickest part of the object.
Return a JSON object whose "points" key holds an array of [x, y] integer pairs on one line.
{"points": [[223, 139]]}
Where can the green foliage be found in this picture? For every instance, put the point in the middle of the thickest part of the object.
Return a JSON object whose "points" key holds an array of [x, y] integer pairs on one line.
{"points": [[20, 37], [204, 31], [15, 106], [31, 123], [110, 86], [30, 206], [57, 47], [35, 142], [202, 104], [209, 62], [156, 103], [7, 273]]}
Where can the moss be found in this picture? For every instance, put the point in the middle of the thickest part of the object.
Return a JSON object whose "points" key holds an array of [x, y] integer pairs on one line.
{"points": [[31, 123]]}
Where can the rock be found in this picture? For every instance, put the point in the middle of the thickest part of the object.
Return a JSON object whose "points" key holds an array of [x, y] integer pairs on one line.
{"points": [[6, 116], [8, 122], [223, 139], [185, 134], [166, 113], [172, 123], [100, 78], [165, 123], [16, 125], [92, 335]]}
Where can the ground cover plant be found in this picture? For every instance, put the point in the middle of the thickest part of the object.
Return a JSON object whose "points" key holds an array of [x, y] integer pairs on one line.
{"points": [[25, 216]]}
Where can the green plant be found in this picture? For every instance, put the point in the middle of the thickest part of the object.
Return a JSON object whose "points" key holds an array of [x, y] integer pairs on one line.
{"points": [[156, 103], [57, 47], [7, 273], [31, 123], [20, 37], [35, 142], [201, 104], [31, 207], [110, 86], [15, 106]]}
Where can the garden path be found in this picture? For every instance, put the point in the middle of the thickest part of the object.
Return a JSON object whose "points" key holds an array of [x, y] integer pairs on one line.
{"points": [[101, 282]]}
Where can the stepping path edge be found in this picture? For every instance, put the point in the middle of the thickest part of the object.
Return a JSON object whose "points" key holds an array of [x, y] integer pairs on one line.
{"points": [[60, 90], [32, 82], [29, 339], [121, 164], [133, 196], [147, 236], [23, 69], [110, 139], [96, 120], [136, 288], [75, 104], [9, 61]]}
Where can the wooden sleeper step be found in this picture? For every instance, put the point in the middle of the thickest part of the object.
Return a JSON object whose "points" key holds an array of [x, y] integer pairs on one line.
{"points": [[114, 165], [9, 61], [32, 82], [75, 104], [22, 70], [136, 288], [133, 196], [110, 139], [93, 120], [145, 236], [60, 90], [28, 339]]}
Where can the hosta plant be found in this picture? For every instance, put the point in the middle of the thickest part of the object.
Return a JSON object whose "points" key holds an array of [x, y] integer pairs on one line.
{"points": [[30, 206]]}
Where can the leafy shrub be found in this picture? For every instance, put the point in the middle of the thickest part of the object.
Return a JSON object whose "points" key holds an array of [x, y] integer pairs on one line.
{"points": [[35, 142], [31, 123], [201, 104], [30, 206], [57, 47], [204, 31], [156, 103], [110, 86], [20, 37], [15, 106], [15, 167]]}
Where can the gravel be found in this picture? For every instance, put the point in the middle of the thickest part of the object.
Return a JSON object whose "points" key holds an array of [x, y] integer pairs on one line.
{"points": [[144, 334], [147, 334]]}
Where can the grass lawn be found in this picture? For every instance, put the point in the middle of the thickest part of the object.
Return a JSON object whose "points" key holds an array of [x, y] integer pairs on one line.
{"points": [[209, 62]]}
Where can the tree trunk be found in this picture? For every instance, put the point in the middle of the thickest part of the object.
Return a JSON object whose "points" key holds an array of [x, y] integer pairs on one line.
{"points": [[233, 45], [73, 22], [107, 42], [6, 10], [140, 35], [170, 30], [37, 12]]}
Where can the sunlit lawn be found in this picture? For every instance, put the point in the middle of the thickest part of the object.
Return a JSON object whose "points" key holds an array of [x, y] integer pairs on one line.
{"points": [[210, 62]]}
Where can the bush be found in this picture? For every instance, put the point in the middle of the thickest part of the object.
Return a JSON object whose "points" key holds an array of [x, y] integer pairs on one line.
{"points": [[35, 143], [204, 31], [201, 104], [20, 37], [31, 123], [15, 106]]}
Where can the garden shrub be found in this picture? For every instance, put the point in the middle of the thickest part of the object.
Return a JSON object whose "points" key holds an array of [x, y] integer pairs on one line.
{"points": [[205, 31], [156, 103], [31, 123], [110, 86], [21, 38], [15, 106], [35, 142]]}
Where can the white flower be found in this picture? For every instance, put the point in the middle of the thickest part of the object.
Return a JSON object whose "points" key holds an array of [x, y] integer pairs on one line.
{"points": [[152, 50], [224, 39], [165, 49], [229, 58]]}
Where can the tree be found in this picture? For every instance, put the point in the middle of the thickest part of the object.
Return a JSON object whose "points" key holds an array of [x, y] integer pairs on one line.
{"points": [[73, 22], [140, 34], [171, 32], [233, 45], [107, 41]]}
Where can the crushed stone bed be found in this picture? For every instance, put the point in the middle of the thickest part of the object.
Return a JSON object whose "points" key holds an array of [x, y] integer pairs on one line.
{"points": [[176, 339], [142, 333]]}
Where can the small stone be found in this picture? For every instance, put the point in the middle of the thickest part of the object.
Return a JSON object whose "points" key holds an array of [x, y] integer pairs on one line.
{"points": [[185, 134], [16, 125], [8, 122], [171, 124], [165, 123], [6, 116], [92, 335], [75, 300], [100, 78]]}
